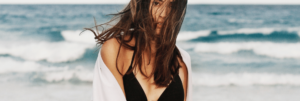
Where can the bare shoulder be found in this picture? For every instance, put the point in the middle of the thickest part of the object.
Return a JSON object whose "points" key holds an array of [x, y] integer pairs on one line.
{"points": [[112, 53], [110, 45], [114, 57], [109, 52], [110, 48]]}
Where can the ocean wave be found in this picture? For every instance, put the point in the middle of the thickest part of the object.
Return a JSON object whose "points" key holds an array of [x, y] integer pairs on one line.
{"points": [[54, 52], [192, 35], [67, 75], [277, 50], [232, 20], [63, 74], [246, 79], [44, 72], [273, 37], [264, 33], [73, 36], [10, 65], [249, 31]]}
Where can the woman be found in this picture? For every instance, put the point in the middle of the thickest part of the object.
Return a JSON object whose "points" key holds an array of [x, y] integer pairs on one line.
{"points": [[139, 60]]}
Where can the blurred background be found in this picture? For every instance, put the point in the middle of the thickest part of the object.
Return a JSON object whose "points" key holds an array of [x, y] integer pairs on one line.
{"points": [[240, 50]]}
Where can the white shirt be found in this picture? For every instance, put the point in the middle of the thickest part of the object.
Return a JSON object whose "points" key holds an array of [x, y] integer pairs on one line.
{"points": [[106, 87]]}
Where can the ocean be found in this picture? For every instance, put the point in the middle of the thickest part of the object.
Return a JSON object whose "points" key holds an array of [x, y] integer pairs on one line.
{"points": [[238, 52]]}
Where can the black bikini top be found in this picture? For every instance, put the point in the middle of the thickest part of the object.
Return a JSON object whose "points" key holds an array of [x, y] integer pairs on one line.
{"points": [[135, 92]]}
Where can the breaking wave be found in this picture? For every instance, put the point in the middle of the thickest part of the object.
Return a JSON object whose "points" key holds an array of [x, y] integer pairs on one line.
{"points": [[246, 79], [50, 51], [277, 50], [261, 34]]}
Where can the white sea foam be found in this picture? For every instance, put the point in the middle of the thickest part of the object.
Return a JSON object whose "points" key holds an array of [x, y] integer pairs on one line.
{"points": [[265, 31], [10, 65], [246, 79], [192, 35], [73, 36], [49, 73], [61, 74], [50, 51], [66, 75], [277, 50], [248, 31], [295, 29], [73, 48], [183, 36], [232, 20]]}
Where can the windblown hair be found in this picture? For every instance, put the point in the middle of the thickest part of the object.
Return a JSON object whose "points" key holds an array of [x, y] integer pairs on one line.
{"points": [[136, 20]]}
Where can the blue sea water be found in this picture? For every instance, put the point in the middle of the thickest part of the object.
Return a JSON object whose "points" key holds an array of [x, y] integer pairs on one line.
{"points": [[238, 52]]}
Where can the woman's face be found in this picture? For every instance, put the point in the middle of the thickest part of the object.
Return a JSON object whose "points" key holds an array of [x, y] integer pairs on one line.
{"points": [[160, 9]]}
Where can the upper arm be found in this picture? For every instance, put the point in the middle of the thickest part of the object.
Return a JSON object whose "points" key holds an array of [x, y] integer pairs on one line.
{"points": [[109, 53]]}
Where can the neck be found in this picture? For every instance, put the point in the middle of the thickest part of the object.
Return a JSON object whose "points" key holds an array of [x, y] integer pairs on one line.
{"points": [[153, 52], [153, 48]]}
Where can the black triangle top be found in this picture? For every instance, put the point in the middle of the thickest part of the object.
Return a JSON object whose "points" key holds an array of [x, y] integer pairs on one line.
{"points": [[135, 92]]}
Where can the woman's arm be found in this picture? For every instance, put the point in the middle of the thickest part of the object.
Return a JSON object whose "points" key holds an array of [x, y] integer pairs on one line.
{"points": [[109, 52]]}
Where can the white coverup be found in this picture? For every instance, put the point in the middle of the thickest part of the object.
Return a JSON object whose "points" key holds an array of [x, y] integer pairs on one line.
{"points": [[106, 87]]}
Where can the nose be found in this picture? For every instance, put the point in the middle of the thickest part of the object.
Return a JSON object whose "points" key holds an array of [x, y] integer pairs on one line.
{"points": [[163, 13]]}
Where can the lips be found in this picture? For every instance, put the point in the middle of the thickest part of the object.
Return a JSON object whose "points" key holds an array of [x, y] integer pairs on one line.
{"points": [[159, 24]]}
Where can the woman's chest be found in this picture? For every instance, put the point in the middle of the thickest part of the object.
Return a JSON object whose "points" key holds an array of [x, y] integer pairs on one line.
{"points": [[151, 90]]}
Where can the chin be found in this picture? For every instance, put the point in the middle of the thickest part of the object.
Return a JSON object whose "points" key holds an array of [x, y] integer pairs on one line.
{"points": [[157, 31]]}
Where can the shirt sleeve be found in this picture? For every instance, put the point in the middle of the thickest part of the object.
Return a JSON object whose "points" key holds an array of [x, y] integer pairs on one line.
{"points": [[105, 85], [187, 60]]}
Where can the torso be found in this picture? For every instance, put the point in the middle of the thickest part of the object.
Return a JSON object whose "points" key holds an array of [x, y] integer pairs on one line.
{"points": [[139, 88], [151, 91]]}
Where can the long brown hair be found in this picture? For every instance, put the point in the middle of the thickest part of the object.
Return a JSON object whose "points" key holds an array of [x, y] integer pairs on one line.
{"points": [[136, 20]]}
